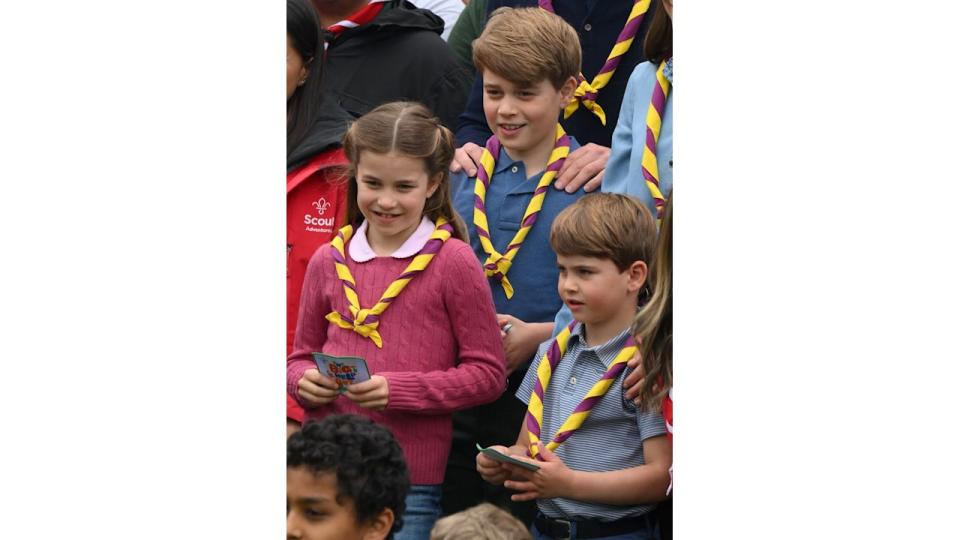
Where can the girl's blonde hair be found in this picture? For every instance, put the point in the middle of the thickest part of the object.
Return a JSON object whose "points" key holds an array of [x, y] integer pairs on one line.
{"points": [[408, 129], [653, 326]]}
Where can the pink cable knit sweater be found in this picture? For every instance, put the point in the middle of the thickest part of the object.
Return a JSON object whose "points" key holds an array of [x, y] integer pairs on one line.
{"points": [[441, 346]]}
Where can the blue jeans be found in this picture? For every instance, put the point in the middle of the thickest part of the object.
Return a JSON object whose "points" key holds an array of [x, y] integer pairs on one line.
{"points": [[423, 510], [648, 533]]}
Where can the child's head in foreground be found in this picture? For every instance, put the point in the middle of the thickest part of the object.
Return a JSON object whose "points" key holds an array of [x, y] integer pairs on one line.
{"points": [[604, 244], [346, 480], [529, 59], [482, 522]]}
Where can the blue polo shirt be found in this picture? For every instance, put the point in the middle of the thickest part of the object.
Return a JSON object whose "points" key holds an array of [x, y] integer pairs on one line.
{"points": [[534, 272]]}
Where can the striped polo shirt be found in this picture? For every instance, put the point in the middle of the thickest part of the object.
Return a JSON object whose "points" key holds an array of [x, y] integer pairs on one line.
{"points": [[611, 437]]}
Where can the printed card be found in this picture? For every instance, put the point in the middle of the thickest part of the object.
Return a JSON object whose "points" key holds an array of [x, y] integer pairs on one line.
{"points": [[503, 458], [346, 370]]}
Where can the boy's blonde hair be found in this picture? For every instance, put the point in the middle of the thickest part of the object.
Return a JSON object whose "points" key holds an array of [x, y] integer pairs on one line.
{"points": [[482, 522], [528, 45], [607, 226]]}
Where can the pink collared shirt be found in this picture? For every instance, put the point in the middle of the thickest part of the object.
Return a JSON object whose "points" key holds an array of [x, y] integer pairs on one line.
{"points": [[361, 252]]}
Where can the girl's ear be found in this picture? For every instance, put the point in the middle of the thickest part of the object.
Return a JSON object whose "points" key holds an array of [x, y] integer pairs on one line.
{"points": [[304, 72], [567, 90], [636, 276], [434, 184]]}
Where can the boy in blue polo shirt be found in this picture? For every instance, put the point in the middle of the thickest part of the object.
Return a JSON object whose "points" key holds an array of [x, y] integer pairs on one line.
{"points": [[603, 464], [529, 60]]}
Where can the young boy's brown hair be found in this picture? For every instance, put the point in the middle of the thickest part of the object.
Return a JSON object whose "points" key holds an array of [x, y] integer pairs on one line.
{"points": [[528, 45], [607, 226]]}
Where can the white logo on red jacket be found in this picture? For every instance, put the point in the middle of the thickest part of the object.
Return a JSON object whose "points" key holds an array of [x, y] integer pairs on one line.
{"points": [[312, 222]]}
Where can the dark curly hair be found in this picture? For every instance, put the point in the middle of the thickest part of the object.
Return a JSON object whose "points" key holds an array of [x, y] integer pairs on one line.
{"points": [[366, 458]]}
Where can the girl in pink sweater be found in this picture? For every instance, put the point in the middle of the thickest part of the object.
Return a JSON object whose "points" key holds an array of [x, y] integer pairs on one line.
{"points": [[401, 289]]}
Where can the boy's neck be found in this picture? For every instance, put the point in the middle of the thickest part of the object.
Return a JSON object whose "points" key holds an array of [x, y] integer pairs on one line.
{"points": [[534, 159], [600, 332]]}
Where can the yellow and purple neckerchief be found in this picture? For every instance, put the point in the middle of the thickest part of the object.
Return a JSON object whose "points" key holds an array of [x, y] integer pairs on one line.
{"points": [[586, 92], [658, 102], [497, 265], [366, 321], [548, 365]]}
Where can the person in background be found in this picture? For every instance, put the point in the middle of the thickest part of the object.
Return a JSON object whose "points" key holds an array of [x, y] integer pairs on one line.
{"points": [[315, 160], [380, 51], [448, 10], [605, 29], [482, 522], [468, 27], [346, 480], [400, 288]]}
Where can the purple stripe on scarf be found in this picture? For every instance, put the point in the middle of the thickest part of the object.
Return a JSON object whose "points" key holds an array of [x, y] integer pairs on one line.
{"points": [[532, 425], [337, 257], [651, 142], [528, 222], [478, 204], [658, 100]]}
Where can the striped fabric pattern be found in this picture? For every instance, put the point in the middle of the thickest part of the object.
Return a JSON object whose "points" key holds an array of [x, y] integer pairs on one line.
{"points": [[366, 321], [610, 439], [654, 122], [586, 92], [497, 265]]}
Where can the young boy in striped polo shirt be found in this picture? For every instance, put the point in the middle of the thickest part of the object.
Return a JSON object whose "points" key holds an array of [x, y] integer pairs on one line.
{"points": [[610, 467]]}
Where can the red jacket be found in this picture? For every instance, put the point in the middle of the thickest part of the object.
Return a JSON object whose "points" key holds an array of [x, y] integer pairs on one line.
{"points": [[316, 207]]}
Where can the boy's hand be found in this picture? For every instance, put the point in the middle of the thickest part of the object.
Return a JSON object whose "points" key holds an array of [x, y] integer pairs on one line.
{"points": [[370, 394], [466, 158], [553, 479], [490, 470], [585, 165], [316, 389], [519, 342], [634, 381]]}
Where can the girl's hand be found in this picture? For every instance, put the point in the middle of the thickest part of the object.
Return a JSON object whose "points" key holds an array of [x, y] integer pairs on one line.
{"points": [[522, 339], [316, 389], [553, 479], [492, 471], [634, 381], [371, 394]]}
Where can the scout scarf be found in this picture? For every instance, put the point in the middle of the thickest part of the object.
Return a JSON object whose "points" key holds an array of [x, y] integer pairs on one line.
{"points": [[586, 92], [498, 265], [547, 365], [365, 15], [654, 118], [366, 321]]}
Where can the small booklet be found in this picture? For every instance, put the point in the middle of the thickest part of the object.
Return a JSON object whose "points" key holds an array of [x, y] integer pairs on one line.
{"points": [[496, 455], [346, 370]]}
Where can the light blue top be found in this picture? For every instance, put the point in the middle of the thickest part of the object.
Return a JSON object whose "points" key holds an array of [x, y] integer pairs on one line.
{"points": [[623, 173], [610, 439]]}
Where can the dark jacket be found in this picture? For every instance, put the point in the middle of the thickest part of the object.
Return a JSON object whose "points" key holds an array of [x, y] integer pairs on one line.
{"points": [[399, 55], [598, 23]]}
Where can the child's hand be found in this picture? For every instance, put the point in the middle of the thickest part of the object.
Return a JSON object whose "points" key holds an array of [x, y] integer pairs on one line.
{"points": [[371, 394], [634, 381], [553, 479], [316, 389], [490, 470], [519, 341]]}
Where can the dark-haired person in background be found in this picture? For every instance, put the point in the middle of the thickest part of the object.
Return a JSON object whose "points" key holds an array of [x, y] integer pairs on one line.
{"points": [[346, 480], [388, 50], [315, 127]]}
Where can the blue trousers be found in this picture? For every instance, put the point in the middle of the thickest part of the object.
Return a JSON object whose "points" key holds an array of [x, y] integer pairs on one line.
{"points": [[423, 510]]}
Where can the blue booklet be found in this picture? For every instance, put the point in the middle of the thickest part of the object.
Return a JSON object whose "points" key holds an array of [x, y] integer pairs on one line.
{"points": [[496, 455], [346, 370]]}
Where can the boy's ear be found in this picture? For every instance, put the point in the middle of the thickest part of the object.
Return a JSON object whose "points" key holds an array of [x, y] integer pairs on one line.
{"points": [[379, 527], [636, 276], [567, 90]]}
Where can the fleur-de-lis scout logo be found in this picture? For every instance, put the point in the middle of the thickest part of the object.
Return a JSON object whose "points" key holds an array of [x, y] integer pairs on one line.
{"points": [[318, 223]]}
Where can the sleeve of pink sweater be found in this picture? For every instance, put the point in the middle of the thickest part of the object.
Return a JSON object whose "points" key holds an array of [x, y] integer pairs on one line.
{"points": [[311, 323], [479, 376]]}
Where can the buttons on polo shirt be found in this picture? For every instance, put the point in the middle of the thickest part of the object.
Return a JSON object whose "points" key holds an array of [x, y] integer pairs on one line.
{"points": [[587, 27], [573, 380], [513, 169]]}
